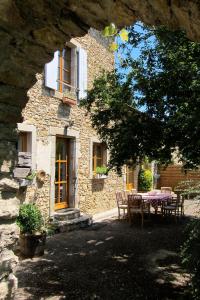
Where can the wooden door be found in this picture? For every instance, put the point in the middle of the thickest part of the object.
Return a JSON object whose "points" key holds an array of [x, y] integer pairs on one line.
{"points": [[129, 178], [62, 173]]}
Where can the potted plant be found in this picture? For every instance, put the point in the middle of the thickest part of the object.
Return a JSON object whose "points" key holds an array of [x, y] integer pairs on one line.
{"points": [[101, 172], [32, 233]]}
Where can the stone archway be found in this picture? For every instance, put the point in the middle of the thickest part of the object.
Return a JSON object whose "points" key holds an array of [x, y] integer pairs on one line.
{"points": [[30, 31]]}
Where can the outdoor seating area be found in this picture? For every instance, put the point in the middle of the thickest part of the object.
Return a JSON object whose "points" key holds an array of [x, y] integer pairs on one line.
{"points": [[163, 202]]}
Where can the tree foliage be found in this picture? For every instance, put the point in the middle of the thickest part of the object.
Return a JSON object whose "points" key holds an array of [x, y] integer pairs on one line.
{"points": [[145, 180], [150, 106], [190, 256]]}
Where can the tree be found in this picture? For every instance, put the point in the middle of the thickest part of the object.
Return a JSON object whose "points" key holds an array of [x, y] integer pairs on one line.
{"points": [[150, 106]]}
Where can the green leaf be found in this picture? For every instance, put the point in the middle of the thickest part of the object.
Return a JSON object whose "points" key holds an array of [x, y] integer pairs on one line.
{"points": [[106, 31], [110, 30]]}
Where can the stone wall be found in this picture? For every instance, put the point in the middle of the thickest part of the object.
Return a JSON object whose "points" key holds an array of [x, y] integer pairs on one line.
{"points": [[45, 112], [30, 32]]}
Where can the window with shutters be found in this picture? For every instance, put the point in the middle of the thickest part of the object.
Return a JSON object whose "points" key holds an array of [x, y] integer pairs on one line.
{"points": [[99, 157], [67, 72]]}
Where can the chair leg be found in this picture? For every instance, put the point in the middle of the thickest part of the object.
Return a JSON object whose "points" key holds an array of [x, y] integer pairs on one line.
{"points": [[118, 213], [129, 217], [142, 219]]}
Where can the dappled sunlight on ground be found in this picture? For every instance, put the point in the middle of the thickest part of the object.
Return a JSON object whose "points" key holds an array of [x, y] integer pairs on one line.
{"points": [[109, 260]]}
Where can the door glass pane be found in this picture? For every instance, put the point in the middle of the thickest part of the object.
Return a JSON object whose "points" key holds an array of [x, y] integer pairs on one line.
{"points": [[56, 172], [63, 171], [63, 193]]}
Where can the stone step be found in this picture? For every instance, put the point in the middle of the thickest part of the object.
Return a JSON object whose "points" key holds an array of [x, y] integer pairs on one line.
{"points": [[66, 214], [74, 224]]}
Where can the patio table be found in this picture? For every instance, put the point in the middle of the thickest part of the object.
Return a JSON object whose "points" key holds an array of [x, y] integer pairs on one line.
{"points": [[156, 200]]}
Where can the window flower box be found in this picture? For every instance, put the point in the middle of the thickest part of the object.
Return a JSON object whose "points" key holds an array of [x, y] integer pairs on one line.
{"points": [[101, 176], [69, 101]]}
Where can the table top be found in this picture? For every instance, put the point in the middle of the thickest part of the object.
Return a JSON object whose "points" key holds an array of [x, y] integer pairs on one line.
{"points": [[159, 197]]}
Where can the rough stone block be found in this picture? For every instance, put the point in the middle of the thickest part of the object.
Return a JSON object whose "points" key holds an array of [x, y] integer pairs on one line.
{"points": [[8, 262], [8, 184], [9, 209], [9, 234], [8, 287]]}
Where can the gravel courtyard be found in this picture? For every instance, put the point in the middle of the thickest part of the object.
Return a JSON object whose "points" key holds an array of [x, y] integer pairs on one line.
{"points": [[109, 260]]}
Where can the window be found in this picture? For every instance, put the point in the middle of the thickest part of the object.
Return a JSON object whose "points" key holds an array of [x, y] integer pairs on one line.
{"points": [[27, 143], [99, 158], [23, 142], [65, 70], [24, 149]]}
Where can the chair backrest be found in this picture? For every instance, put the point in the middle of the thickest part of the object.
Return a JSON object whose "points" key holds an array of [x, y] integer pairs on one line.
{"points": [[135, 201], [119, 198], [166, 190], [126, 193]]}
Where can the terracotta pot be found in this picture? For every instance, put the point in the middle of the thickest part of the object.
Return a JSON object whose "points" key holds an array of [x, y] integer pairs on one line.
{"points": [[32, 244]]}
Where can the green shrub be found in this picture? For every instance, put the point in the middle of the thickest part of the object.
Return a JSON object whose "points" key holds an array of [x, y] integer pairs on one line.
{"points": [[30, 219], [190, 254], [145, 180], [101, 170]]}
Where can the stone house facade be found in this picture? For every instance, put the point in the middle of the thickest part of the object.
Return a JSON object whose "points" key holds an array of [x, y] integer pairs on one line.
{"points": [[64, 147]]}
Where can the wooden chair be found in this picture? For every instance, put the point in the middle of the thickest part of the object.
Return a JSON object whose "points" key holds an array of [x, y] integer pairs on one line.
{"points": [[136, 205], [166, 190], [121, 204], [125, 194], [175, 207]]}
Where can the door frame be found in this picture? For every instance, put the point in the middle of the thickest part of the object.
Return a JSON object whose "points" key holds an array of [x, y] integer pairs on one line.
{"points": [[66, 161], [73, 136]]}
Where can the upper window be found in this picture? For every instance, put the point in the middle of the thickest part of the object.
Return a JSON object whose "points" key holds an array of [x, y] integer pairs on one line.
{"points": [[67, 72], [99, 156]]}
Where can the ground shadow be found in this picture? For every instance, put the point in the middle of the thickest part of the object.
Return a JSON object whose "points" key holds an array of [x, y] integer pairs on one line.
{"points": [[110, 260]]}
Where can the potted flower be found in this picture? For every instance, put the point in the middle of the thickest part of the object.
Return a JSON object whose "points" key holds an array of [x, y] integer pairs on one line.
{"points": [[32, 234], [101, 172]]}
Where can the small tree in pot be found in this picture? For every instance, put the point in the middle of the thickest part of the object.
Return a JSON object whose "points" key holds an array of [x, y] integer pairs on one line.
{"points": [[32, 234]]}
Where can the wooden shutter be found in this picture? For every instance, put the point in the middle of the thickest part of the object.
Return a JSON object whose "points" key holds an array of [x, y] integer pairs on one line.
{"points": [[51, 72], [82, 73]]}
